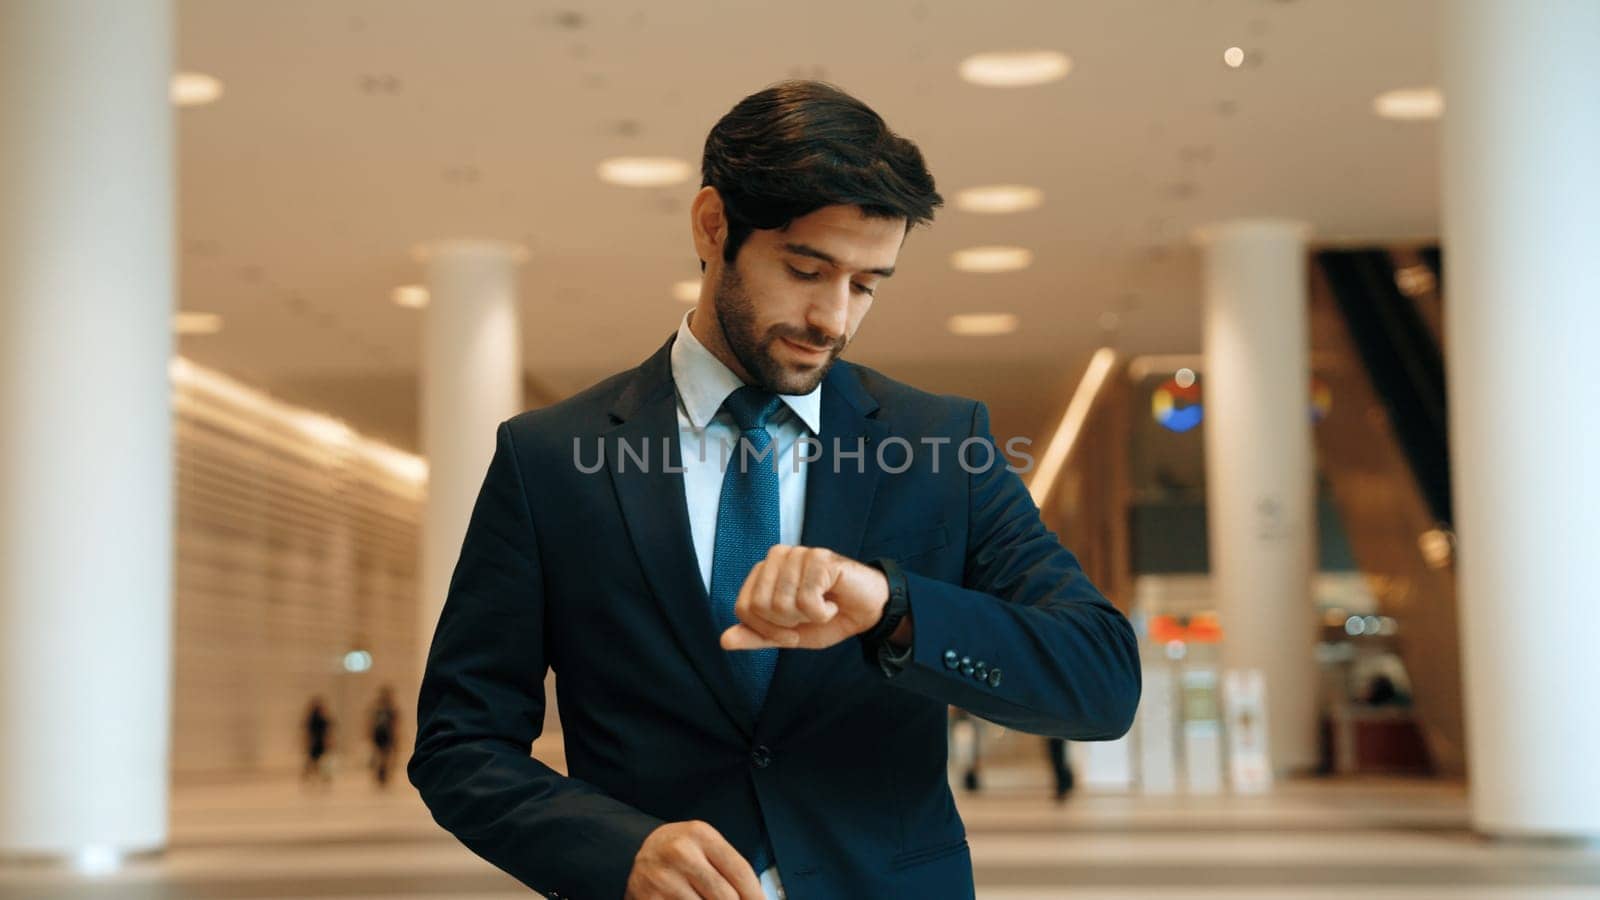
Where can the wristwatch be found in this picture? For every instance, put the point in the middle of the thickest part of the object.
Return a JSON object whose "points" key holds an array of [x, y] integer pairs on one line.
{"points": [[898, 607]]}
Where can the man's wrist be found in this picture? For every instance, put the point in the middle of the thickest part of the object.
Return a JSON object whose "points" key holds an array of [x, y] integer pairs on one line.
{"points": [[895, 622], [901, 637]]}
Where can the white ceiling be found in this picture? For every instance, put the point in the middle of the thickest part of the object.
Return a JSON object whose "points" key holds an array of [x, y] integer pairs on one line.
{"points": [[351, 130]]}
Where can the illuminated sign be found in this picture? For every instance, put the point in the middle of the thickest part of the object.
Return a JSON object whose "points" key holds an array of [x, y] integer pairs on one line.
{"points": [[1176, 408]]}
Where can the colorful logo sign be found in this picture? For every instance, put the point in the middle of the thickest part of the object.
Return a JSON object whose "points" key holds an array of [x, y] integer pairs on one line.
{"points": [[1177, 408]]}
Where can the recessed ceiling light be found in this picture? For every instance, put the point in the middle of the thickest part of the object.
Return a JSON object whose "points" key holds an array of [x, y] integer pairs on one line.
{"points": [[644, 171], [1015, 68], [427, 251], [413, 296], [1234, 57], [999, 198], [194, 89], [687, 291], [982, 324], [1410, 103], [191, 323], [992, 259]]}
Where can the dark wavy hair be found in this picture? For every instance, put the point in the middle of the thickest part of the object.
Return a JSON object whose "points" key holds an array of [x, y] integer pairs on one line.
{"points": [[793, 148]]}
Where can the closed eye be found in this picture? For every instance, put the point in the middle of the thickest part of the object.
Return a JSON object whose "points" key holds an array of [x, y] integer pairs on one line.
{"points": [[801, 275]]}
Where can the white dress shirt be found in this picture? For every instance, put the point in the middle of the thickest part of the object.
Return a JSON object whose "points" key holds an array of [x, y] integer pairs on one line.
{"points": [[707, 435]]}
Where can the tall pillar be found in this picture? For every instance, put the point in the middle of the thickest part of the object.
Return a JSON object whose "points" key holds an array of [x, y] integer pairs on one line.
{"points": [[1260, 480], [1521, 214], [86, 462], [471, 382]]}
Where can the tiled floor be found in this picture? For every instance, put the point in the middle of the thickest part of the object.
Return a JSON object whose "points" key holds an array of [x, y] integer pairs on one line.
{"points": [[1372, 840]]}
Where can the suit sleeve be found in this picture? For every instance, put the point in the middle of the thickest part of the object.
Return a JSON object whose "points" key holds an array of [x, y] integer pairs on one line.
{"points": [[482, 705], [1026, 641]]}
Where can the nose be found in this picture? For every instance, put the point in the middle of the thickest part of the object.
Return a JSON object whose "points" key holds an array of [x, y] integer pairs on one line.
{"points": [[829, 314]]}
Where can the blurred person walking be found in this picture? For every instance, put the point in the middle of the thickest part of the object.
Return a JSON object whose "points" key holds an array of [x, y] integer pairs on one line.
{"points": [[1062, 765], [385, 720], [966, 747], [318, 733]]}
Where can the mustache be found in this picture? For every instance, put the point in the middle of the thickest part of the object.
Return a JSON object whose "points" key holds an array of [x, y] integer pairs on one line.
{"points": [[808, 338]]}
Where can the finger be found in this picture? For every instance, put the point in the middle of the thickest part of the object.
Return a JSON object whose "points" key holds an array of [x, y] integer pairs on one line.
{"points": [[761, 582], [741, 602], [816, 579], [735, 868], [754, 609], [665, 877], [707, 881], [777, 634], [675, 886], [782, 608], [750, 593], [685, 858], [821, 637], [743, 637]]}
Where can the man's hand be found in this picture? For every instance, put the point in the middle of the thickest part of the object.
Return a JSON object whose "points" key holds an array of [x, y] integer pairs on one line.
{"points": [[807, 597], [689, 861]]}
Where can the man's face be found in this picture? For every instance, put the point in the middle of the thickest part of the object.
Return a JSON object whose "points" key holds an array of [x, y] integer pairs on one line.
{"points": [[793, 298]]}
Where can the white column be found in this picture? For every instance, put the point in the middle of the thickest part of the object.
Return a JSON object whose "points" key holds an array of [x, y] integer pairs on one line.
{"points": [[1522, 219], [1260, 484], [86, 523], [471, 382]]}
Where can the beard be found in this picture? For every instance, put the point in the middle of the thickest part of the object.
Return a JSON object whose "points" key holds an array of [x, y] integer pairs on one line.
{"points": [[736, 313]]}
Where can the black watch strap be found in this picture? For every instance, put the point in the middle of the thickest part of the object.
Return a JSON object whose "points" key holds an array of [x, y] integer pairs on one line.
{"points": [[896, 609]]}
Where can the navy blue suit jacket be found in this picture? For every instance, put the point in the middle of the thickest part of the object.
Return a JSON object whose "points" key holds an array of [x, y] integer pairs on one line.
{"points": [[594, 575]]}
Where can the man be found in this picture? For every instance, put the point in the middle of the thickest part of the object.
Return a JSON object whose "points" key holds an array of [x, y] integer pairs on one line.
{"points": [[754, 659]]}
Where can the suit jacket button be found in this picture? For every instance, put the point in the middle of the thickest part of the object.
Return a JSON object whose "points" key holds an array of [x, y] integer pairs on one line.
{"points": [[994, 678], [966, 666], [761, 756], [951, 660], [980, 670]]}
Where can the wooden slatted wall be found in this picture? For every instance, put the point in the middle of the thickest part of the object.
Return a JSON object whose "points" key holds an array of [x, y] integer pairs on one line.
{"points": [[297, 543]]}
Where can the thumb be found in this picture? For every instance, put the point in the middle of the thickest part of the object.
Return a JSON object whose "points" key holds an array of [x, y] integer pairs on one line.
{"points": [[743, 637]]}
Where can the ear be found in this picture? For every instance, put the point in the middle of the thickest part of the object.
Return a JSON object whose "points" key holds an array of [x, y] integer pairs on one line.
{"points": [[708, 224]]}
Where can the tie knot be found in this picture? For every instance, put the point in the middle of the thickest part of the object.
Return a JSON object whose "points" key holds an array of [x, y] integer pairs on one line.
{"points": [[751, 406]]}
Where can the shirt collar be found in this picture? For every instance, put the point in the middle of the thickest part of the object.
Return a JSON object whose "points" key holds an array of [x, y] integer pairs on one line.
{"points": [[704, 382]]}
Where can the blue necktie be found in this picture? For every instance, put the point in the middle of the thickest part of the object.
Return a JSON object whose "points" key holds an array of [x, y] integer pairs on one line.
{"points": [[747, 527]]}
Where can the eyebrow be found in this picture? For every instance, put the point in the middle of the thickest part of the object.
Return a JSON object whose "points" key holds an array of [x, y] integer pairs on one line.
{"points": [[814, 253]]}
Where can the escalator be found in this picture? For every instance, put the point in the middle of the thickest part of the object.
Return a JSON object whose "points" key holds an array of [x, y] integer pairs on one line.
{"points": [[1384, 451], [1130, 500]]}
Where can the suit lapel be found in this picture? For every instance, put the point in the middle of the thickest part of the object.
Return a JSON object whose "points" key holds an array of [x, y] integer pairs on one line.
{"points": [[838, 498], [656, 515]]}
